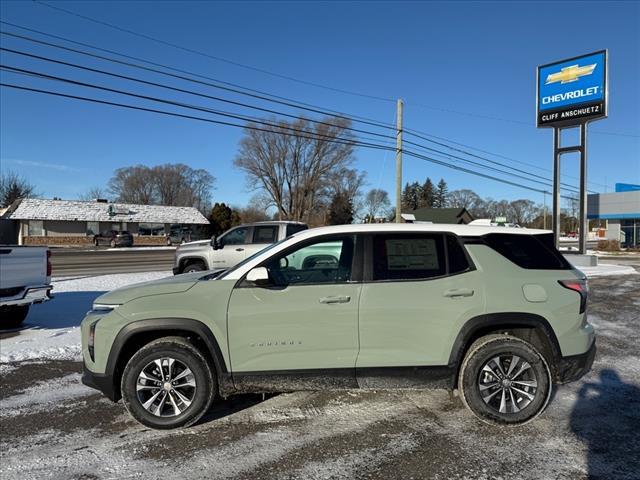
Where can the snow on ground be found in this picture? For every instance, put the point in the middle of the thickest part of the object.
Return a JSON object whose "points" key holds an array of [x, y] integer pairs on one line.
{"points": [[52, 329], [606, 270]]}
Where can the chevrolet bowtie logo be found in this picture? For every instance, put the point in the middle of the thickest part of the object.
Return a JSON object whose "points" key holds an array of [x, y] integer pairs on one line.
{"points": [[570, 74]]}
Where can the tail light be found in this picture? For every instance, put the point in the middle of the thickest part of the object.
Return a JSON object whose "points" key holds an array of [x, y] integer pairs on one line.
{"points": [[49, 269], [581, 286]]}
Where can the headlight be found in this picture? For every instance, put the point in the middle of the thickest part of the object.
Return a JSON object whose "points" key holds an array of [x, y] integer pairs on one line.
{"points": [[101, 308]]}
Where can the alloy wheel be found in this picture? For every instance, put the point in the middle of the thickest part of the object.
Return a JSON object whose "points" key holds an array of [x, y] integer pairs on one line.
{"points": [[507, 384], [166, 387]]}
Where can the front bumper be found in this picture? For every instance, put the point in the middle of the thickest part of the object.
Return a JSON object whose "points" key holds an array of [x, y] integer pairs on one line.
{"points": [[575, 367], [101, 382]]}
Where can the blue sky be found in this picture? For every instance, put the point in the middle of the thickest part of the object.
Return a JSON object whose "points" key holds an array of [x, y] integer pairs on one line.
{"points": [[466, 71]]}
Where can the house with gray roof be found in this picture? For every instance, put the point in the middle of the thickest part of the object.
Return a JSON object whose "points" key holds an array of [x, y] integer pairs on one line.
{"points": [[74, 222]]}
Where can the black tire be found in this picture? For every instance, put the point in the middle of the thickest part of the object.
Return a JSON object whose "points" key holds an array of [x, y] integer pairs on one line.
{"points": [[112, 244], [13, 316], [194, 267], [183, 352], [168, 242], [499, 386], [96, 242]]}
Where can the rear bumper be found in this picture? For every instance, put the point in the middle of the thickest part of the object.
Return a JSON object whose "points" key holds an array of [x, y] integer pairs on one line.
{"points": [[101, 382], [575, 367], [29, 296]]}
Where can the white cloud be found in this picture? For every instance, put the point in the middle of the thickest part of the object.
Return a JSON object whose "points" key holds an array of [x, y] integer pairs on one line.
{"points": [[36, 164]]}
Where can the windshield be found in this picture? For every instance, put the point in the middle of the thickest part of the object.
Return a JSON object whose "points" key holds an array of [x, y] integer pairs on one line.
{"points": [[248, 259]]}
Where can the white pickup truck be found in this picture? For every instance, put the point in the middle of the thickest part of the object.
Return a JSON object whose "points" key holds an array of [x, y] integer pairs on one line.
{"points": [[25, 279], [233, 246]]}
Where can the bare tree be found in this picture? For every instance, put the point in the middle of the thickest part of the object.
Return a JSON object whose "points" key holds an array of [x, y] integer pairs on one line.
{"points": [[522, 211], [463, 199], [376, 203], [295, 171], [169, 184], [14, 186], [93, 193]]}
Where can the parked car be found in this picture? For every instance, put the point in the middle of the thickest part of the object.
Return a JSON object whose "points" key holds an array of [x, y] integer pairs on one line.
{"points": [[232, 247], [25, 279], [496, 313], [113, 238], [179, 236]]}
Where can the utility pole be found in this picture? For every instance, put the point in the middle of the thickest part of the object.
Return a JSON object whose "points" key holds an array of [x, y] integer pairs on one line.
{"points": [[544, 211], [399, 162]]}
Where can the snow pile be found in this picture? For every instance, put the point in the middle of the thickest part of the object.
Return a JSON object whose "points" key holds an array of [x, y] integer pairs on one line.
{"points": [[52, 329]]}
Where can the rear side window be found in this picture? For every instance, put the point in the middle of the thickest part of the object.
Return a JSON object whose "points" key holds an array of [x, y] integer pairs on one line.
{"points": [[535, 252], [408, 257], [293, 228], [458, 261], [265, 234]]}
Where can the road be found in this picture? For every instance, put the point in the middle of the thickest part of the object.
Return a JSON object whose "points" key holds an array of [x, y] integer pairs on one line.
{"points": [[52, 427], [104, 261]]}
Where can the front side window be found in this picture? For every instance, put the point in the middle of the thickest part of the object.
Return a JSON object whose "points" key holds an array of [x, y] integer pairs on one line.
{"points": [[265, 234], [235, 237], [319, 263], [36, 228], [408, 257]]}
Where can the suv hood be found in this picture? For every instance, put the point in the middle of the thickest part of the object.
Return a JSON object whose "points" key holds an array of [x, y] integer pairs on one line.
{"points": [[172, 284]]}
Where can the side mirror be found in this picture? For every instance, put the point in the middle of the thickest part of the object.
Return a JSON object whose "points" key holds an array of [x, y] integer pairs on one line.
{"points": [[215, 244], [259, 276]]}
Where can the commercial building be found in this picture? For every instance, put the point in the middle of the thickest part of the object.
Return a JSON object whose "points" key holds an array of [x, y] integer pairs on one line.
{"points": [[70, 222], [620, 210]]}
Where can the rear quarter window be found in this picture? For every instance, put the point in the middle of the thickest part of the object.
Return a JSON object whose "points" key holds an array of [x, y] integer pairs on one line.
{"points": [[291, 229], [534, 252]]}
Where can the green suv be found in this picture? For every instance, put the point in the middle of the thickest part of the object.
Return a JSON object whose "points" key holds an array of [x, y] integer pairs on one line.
{"points": [[496, 313]]}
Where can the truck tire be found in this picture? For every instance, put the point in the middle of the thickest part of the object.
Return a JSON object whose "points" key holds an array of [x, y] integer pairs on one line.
{"points": [[168, 383], [194, 267], [504, 380], [13, 316]]}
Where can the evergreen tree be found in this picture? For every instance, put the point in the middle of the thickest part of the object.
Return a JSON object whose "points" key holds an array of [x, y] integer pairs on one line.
{"points": [[427, 197], [440, 200], [222, 218], [341, 209], [411, 196]]}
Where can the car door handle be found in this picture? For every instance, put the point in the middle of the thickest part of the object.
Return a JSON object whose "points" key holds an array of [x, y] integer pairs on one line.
{"points": [[458, 292], [239, 249], [339, 299]]}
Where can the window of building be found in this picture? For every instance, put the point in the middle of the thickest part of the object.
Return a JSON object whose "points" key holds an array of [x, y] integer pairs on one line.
{"points": [[321, 262], [151, 229], [408, 257], [36, 228], [93, 228], [265, 234]]}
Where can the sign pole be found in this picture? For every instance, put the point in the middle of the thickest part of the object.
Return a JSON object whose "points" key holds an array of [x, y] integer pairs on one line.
{"points": [[556, 187], [584, 223]]}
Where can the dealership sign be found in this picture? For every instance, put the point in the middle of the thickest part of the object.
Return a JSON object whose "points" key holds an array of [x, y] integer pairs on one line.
{"points": [[572, 91]]}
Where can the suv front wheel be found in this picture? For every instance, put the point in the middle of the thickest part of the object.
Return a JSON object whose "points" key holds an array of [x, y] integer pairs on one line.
{"points": [[168, 384], [504, 380]]}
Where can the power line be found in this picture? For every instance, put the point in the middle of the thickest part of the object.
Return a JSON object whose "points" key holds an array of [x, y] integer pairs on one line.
{"points": [[232, 115], [293, 79], [249, 127], [212, 57], [177, 104], [222, 84], [352, 118], [190, 92], [419, 134]]}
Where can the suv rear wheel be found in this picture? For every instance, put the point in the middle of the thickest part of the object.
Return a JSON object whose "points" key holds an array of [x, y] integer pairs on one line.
{"points": [[504, 380], [168, 384]]}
